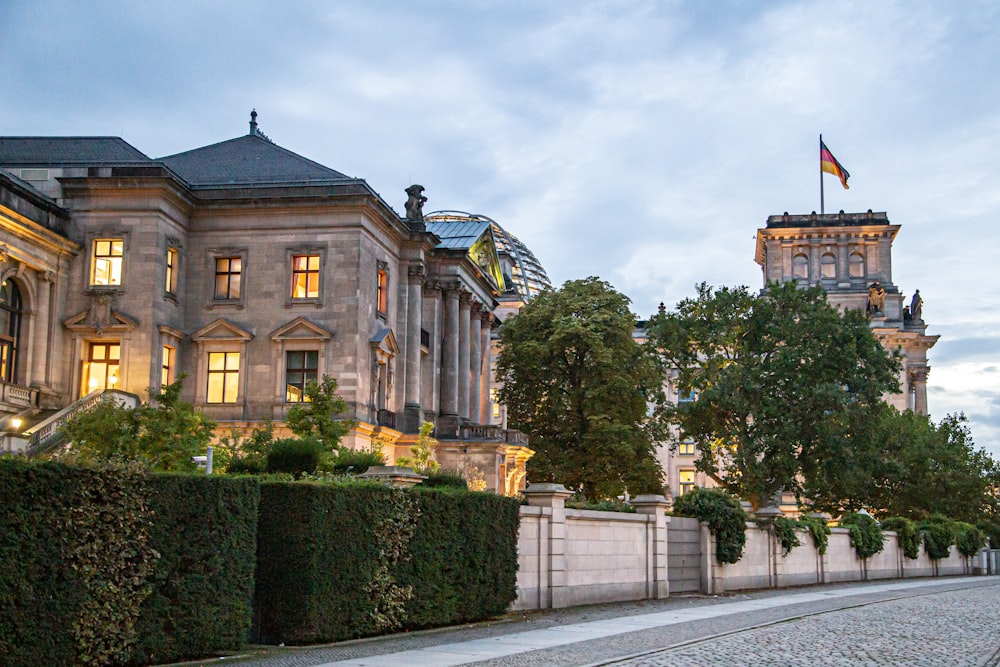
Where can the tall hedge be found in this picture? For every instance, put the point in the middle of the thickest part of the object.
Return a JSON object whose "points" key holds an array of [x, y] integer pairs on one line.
{"points": [[205, 530], [345, 560], [110, 567]]}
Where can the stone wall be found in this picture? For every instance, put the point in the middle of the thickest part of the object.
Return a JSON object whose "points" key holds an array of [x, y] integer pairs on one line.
{"points": [[570, 557]]}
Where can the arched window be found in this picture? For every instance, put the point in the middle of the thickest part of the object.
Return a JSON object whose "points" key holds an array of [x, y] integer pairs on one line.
{"points": [[828, 266], [800, 268], [856, 265], [10, 329]]}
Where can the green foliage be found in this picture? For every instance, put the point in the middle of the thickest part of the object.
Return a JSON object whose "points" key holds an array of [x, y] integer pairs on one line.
{"points": [[205, 530], [784, 531], [246, 455], [421, 457], [576, 382], [349, 559], [295, 456], [939, 533], [767, 375], [990, 526], [317, 416], [906, 535], [970, 539], [351, 462], [110, 567], [600, 505], [445, 478], [866, 536], [162, 434], [819, 530], [726, 519]]}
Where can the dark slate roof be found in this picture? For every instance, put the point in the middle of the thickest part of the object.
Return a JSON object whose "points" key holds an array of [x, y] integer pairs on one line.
{"points": [[38, 151], [248, 160], [457, 234]]}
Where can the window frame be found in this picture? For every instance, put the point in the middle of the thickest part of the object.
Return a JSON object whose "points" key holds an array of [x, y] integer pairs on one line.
{"points": [[308, 372], [226, 372], [111, 238], [172, 265], [87, 360], [382, 290], [214, 255], [686, 487], [305, 251]]}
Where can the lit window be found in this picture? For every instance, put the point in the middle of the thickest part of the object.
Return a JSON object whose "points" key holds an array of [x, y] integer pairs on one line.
{"points": [[167, 374], [10, 329], [686, 447], [685, 479], [223, 377], [171, 285], [382, 291], [305, 276], [106, 265], [100, 367], [828, 266], [228, 273], [300, 368]]}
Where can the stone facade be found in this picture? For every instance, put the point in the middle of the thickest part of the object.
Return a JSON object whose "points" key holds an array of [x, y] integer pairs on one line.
{"points": [[251, 270]]}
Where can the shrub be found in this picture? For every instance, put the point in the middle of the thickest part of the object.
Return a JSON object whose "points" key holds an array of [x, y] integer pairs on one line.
{"points": [[295, 456], [866, 536], [939, 534], [970, 539], [350, 462], [600, 505], [819, 530], [445, 478], [421, 457], [784, 530], [906, 535], [991, 528], [725, 518], [350, 558]]}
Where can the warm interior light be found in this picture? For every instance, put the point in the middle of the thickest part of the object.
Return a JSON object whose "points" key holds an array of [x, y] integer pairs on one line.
{"points": [[93, 383], [113, 380], [15, 423]]}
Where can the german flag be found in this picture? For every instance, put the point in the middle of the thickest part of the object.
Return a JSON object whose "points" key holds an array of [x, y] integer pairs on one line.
{"points": [[829, 164]]}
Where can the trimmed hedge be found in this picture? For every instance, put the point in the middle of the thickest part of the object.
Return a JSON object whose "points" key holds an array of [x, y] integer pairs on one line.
{"points": [[205, 530], [726, 519], [351, 559], [111, 567]]}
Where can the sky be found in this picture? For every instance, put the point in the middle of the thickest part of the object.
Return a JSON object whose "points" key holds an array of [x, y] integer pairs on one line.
{"points": [[641, 142]]}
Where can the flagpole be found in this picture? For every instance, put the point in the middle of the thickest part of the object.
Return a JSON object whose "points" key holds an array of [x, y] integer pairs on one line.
{"points": [[822, 203]]}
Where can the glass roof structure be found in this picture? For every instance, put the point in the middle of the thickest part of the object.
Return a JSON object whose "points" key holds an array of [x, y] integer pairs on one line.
{"points": [[523, 273]]}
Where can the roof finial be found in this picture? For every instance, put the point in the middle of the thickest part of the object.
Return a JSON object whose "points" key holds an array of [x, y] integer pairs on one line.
{"points": [[253, 122]]}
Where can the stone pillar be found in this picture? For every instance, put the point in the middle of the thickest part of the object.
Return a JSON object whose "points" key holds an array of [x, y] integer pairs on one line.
{"points": [[655, 506], [552, 498], [475, 363], [449, 375], [485, 417], [40, 353], [815, 275], [843, 265], [918, 380], [411, 382], [464, 314]]}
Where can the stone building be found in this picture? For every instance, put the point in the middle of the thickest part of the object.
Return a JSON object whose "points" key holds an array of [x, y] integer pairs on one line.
{"points": [[252, 270], [850, 256]]}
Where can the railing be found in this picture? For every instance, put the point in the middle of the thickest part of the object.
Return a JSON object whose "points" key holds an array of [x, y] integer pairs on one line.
{"points": [[45, 434], [13, 394], [512, 437], [386, 418], [492, 433]]}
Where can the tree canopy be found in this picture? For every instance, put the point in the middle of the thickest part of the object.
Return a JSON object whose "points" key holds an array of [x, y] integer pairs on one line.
{"points": [[777, 382], [579, 385]]}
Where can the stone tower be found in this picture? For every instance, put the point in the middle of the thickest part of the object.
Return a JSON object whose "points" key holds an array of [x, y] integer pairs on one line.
{"points": [[850, 256]]}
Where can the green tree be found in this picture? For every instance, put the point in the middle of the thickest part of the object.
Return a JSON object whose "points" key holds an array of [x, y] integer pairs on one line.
{"points": [[776, 381], [162, 434], [317, 416], [578, 384]]}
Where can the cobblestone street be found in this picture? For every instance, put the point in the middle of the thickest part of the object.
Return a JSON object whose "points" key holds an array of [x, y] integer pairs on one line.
{"points": [[950, 628]]}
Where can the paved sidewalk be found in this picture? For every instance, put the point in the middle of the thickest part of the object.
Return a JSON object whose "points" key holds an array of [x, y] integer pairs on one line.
{"points": [[597, 635]]}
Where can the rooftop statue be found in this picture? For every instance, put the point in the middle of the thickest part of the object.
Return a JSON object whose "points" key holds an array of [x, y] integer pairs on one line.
{"points": [[876, 297], [917, 306], [415, 203]]}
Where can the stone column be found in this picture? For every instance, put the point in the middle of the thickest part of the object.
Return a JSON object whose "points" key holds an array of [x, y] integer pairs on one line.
{"points": [[552, 498], [411, 384], [815, 275], [655, 506], [485, 417], [430, 369], [40, 353], [918, 380], [449, 376], [475, 362], [464, 312]]}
